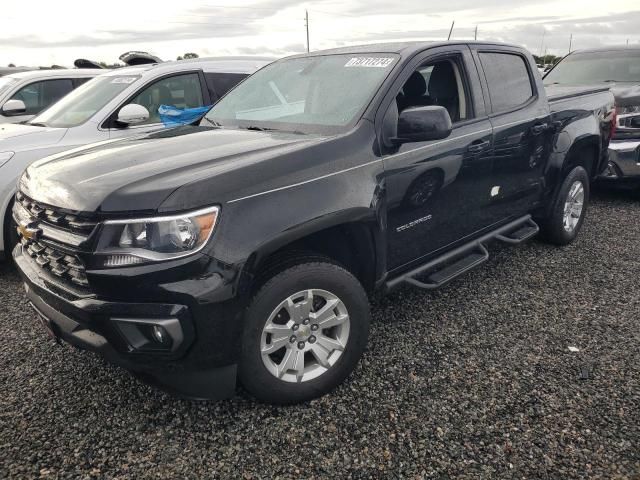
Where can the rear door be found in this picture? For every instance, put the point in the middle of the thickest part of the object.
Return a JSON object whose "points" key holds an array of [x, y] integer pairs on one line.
{"points": [[520, 117], [436, 191]]}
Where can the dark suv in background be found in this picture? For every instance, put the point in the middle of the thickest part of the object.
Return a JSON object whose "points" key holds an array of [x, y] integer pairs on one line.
{"points": [[619, 68]]}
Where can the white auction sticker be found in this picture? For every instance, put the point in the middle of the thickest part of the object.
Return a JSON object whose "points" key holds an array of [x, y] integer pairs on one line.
{"points": [[370, 62]]}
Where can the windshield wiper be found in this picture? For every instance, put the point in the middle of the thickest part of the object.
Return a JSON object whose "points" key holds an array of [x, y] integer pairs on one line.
{"points": [[258, 129], [213, 122], [36, 124]]}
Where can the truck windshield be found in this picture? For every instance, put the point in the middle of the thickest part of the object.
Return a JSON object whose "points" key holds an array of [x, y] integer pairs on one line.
{"points": [[323, 94], [596, 67], [83, 103]]}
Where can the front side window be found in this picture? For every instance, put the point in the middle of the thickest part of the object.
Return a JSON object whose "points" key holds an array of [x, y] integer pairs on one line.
{"points": [[85, 101], [39, 95], [310, 94], [436, 83], [590, 68], [508, 79], [180, 91]]}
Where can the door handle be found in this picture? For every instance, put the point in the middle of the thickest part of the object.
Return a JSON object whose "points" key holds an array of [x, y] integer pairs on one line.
{"points": [[478, 146], [539, 128]]}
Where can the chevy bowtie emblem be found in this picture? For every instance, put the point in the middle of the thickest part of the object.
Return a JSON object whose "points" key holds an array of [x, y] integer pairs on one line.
{"points": [[28, 232]]}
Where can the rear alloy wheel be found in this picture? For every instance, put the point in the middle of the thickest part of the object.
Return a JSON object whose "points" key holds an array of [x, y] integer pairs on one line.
{"points": [[569, 208], [305, 331]]}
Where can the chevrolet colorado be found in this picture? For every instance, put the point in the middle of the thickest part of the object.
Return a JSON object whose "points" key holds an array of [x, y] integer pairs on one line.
{"points": [[244, 247]]}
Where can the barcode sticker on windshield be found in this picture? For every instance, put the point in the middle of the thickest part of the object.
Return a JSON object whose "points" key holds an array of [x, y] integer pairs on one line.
{"points": [[124, 80], [370, 62]]}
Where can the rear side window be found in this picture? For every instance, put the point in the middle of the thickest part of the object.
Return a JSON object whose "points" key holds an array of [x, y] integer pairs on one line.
{"points": [[221, 83], [39, 95], [508, 78]]}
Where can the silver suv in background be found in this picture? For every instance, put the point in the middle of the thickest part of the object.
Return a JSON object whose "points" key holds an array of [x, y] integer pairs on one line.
{"points": [[116, 104], [26, 94], [618, 67]]}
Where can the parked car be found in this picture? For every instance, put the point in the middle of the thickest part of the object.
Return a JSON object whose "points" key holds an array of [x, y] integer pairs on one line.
{"points": [[245, 247], [116, 104], [25, 94], [620, 69]]}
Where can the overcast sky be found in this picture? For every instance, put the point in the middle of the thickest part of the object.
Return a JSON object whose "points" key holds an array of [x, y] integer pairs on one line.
{"points": [[43, 32]]}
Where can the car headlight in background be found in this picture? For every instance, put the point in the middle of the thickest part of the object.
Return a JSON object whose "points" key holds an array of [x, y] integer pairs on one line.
{"points": [[154, 239], [5, 157], [629, 117]]}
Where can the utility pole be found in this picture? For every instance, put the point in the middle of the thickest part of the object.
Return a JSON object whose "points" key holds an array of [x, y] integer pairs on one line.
{"points": [[544, 32], [451, 31], [475, 35], [306, 24], [570, 42]]}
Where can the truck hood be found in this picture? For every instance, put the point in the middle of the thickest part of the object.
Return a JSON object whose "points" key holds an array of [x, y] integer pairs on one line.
{"points": [[139, 173], [17, 137]]}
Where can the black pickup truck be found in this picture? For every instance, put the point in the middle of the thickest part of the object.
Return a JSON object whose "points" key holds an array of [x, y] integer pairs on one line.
{"points": [[245, 247]]}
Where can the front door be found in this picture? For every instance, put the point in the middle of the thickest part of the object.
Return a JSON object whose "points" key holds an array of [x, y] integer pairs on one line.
{"points": [[437, 191], [184, 90]]}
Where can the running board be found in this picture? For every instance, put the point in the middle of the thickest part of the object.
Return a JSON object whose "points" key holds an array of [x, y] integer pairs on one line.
{"points": [[442, 270]]}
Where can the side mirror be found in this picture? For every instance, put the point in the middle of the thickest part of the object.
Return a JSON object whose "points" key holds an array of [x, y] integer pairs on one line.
{"points": [[14, 107], [132, 114], [421, 124]]}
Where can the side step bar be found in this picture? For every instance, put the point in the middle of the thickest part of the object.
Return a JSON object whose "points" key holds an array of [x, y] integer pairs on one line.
{"points": [[444, 269]]}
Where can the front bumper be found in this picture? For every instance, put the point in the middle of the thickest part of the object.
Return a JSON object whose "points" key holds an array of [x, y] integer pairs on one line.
{"points": [[199, 363], [624, 161]]}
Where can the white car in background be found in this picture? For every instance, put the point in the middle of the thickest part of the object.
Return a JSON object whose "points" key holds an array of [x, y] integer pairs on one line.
{"points": [[25, 94], [118, 103]]}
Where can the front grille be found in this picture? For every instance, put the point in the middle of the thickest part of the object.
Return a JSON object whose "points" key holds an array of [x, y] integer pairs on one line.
{"points": [[54, 239], [68, 221], [63, 265]]}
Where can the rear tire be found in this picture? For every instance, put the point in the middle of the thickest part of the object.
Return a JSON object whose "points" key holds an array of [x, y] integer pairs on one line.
{"points": [[568, 210], [305, 330]]}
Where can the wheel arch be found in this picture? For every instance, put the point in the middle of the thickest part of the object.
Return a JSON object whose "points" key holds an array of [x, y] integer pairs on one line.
{"points": [[355, 245]]}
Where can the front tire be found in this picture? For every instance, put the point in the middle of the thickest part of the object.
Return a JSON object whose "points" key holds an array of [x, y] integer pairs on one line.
{"points": [[305, 330], [568, 210]]}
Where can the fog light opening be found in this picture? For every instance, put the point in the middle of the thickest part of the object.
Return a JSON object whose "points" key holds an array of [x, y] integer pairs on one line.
{"points": [[160, 334]]}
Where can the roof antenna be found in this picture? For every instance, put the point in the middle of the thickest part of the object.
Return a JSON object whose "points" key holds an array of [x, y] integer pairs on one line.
{"points": [[451, 31]]}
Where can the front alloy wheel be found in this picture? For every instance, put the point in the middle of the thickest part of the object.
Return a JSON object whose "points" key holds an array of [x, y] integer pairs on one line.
{"points": [[305, 335]]}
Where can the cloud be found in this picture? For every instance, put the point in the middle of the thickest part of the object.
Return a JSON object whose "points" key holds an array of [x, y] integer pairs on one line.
{"points": [[276, 27]]}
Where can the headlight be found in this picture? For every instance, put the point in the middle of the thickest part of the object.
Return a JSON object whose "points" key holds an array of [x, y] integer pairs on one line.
{"points": [[154, 239], [5, 157], [627, 110]]}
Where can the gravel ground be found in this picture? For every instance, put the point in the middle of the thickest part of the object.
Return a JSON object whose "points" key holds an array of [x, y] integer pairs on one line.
{"points": [[474, 381]]}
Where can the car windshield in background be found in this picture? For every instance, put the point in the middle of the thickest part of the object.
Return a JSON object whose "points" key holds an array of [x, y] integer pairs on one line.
{"points": [[6, 83], [321, 94], [596, 67], [83, 103]]}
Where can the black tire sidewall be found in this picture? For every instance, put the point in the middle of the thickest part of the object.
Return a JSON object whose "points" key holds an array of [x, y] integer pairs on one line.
{"points": [[317, 275], [10, 234], [554, 228]]}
